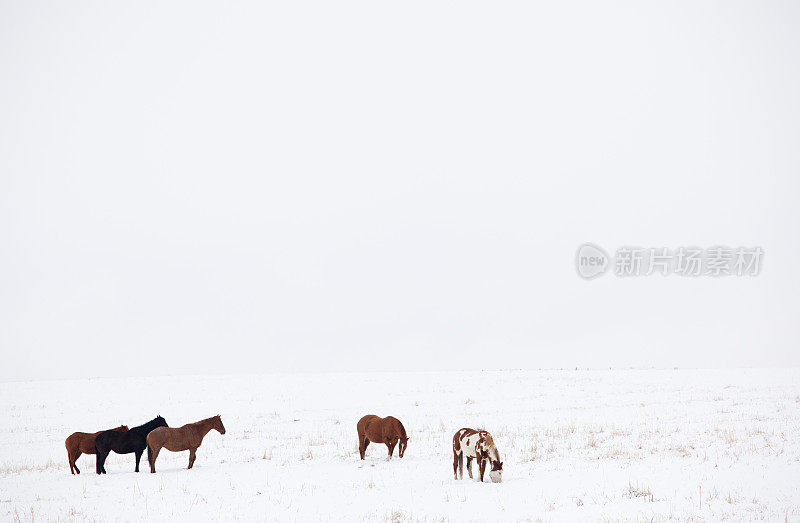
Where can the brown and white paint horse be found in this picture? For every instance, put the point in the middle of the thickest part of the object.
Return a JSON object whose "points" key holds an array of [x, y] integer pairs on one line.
{"points": [[479, 445]]}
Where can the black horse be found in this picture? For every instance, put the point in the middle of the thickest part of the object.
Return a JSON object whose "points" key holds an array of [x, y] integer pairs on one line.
{"points": [[134, 440]]}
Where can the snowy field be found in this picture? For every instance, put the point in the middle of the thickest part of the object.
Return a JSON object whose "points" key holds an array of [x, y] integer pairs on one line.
{"points": [[588, 445]]}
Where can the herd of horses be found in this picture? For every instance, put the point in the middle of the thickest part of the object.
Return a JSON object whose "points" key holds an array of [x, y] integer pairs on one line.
{"points": [[155, 435]]}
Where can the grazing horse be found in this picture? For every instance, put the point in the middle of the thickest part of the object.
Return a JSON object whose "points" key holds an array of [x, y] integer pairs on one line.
{"points": [[476, 444], [134, 440], [188, 437], [83, 442], [387, 430]]}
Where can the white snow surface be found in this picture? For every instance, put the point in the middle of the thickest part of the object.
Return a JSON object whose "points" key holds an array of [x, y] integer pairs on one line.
{"points": [[576, 445]]}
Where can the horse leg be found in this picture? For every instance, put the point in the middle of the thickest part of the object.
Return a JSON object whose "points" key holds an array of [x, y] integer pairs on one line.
{"points": [[152, 454], [482, 466], [73, 457], [469, 467], [101, 458], [391, 445], [363, 447], [192, 456], [458, 464], [138, 457]]}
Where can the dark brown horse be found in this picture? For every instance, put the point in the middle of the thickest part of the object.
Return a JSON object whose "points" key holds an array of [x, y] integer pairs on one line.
{"points": [[388, 430], [83, 443], [188, 437], [132, 441]]}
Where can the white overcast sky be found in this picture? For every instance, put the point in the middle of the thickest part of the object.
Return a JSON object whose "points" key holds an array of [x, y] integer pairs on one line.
{"points": [[192, 187]]}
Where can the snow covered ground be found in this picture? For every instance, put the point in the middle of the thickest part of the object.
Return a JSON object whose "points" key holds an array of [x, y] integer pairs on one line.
{"points": [[614, 445]]}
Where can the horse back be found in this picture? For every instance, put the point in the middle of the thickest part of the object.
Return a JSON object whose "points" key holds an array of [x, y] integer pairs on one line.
{"points": [[82, 441], [459, 436], [364, 422], [158, 435], [75, 437], [120, 442], [381, 430], [105, 440]]}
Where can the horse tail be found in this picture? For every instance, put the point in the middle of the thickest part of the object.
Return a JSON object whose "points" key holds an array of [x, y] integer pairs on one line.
{"points": [[149, 453], [457, 441], [69, 457]]}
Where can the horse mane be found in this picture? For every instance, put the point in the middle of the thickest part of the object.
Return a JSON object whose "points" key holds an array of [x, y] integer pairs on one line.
{"points": [[204, 420], [147, 426], [402, 428], [493, 452]]}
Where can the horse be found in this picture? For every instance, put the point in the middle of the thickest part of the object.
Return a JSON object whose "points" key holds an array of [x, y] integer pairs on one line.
{"points": [[83, 442], [476, 444], [134, 440], [386, 430], [188, 437]]}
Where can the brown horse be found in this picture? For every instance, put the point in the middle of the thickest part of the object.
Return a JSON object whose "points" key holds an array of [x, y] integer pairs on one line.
{"points": [[83, 442], [386, 430], [188, 437]]}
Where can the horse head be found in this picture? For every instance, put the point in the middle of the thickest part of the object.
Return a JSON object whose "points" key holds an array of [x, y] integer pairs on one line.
{"points": [[496, 473], [402, 447], [121, 428], [160, 422], [218, 424]]}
